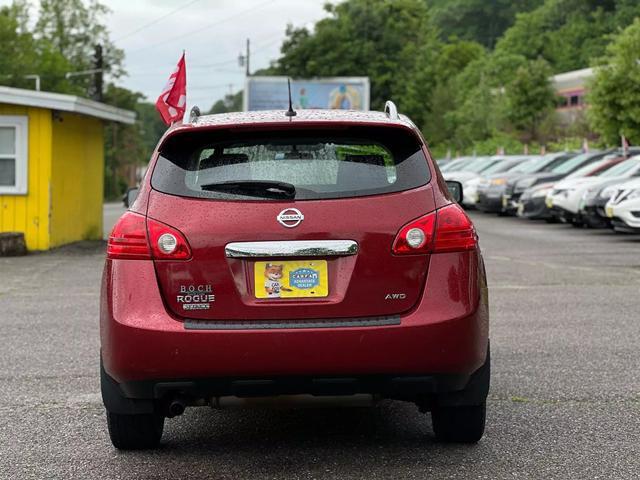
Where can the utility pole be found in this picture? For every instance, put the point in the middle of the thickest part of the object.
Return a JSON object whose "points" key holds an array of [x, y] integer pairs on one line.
{"points": [[248, 71], [243, 60], [97, 76]]}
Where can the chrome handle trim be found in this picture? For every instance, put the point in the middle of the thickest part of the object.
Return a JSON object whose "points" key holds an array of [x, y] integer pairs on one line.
{"points": [[291, 248]]}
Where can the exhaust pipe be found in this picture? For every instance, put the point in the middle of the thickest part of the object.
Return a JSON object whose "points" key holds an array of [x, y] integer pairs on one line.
{"points": [[176, 407]]}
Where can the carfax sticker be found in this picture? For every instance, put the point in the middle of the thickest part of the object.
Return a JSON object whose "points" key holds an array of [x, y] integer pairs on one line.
{"points": [[291, 279]]}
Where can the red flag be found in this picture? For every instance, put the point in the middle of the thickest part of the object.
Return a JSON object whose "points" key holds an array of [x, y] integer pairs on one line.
{"points": [[172, 102]]}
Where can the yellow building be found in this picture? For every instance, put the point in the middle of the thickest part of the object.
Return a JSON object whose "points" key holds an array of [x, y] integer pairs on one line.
{"points": [[52, 165]]}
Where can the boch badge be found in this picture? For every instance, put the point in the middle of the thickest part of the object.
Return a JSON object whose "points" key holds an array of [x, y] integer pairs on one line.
{"points": [[196, 297]]}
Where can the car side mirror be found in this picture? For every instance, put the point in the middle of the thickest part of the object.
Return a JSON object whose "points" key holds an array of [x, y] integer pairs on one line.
{"points": [[455, 189], [130, 196]]}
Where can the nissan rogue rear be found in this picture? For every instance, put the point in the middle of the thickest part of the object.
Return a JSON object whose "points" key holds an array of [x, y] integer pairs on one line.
{"points": [[312, 257]]}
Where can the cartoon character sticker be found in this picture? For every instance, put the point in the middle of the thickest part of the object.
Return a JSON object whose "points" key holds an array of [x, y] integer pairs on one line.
{"points": [[273, 280]]}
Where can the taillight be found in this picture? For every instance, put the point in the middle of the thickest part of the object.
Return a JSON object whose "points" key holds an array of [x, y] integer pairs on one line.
{"points": [[135, 237], [128, 239], [167, 242], [406, 241], [454, 230], [445, 230]]}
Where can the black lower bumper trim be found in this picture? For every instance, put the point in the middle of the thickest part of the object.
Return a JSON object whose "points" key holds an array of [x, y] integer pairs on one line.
{"points": [[295, 324]]}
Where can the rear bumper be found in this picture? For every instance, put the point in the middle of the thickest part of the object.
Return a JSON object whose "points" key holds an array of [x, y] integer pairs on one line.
{"points": [[445, 334], [147, 396]]}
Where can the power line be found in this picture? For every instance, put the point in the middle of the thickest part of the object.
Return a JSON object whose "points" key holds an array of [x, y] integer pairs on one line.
{"points": [[206, 27], [153, 22]]}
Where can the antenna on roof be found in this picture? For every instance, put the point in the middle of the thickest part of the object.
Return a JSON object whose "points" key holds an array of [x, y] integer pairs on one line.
{"points": [[291, 112]]}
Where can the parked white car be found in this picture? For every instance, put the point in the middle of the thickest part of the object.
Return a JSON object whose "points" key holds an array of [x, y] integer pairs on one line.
{"points": [[624, 207], [566, 195]]}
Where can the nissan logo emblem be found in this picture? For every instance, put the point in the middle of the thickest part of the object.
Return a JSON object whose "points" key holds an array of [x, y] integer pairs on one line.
{"points": [[290, 217]]}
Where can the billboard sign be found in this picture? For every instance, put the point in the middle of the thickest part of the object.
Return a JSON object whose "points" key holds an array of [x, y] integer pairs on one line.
{"points": [[270, 93]]}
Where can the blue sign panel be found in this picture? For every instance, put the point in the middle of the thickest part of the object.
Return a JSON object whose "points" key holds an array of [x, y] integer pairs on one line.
{"points": [[271, 93]]}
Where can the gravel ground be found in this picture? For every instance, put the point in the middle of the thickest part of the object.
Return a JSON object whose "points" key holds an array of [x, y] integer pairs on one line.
{"points": [[565, 399]]}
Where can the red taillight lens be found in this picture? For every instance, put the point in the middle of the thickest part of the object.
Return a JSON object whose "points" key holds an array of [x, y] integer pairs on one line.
{"points": [[446, 230], [406, 240], [135, 237], [128, 239], [167, 243], [454, 230]]}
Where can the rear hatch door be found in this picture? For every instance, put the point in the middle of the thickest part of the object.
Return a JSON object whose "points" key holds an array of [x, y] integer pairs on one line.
{"points": [[262, 253]]}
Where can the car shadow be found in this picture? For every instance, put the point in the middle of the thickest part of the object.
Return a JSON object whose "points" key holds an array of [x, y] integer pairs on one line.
{"points": [[286, 442]]}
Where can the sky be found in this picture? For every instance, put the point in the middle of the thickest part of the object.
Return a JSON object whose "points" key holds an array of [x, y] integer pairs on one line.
{"points": [[153, 34]]}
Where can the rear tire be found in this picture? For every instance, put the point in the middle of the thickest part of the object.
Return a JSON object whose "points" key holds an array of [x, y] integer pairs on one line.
{"points": [[135, 432], [462, 424]]}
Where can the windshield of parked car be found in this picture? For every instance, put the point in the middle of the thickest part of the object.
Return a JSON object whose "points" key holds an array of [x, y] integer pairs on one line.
{"points": [[306, 164], [530, 166], [555, 161], [457, 164], [480, 165], [501, 165], [574, 163], [585, 170], [621, 168]]}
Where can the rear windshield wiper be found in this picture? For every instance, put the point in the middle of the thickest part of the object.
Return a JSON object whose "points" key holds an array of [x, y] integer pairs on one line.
{"points": [[257, 188]]}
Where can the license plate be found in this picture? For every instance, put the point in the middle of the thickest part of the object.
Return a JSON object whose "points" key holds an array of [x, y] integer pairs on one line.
{"points": [[505, 201], [291, 279], [520, 209], [609, 212], [549, 202]]}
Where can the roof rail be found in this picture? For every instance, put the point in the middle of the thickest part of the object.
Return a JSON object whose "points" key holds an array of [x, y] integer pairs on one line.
{"points": [[391, 110], [194, 114]]}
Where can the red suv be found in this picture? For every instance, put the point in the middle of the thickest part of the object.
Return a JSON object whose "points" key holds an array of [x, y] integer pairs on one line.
{"points": [[309, 256]]}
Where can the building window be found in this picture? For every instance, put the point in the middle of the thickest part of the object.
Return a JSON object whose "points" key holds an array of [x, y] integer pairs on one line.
{"points": [[13, 154]]}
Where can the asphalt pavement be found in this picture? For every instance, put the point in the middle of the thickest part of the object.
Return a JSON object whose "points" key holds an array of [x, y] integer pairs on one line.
{"points": [[564, 402]]}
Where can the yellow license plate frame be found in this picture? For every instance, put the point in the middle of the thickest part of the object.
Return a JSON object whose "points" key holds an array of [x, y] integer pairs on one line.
{"points": [[279, 279], [549, 202]]}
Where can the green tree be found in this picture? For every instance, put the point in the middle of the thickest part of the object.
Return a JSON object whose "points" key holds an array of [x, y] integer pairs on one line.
{"points": [[394, 42], [230, 103], [615, 90], [123, 143], [482, 21], [530, 99], [74, 29], [21, 54], [439, 125], [567, 33], [479, 111]]}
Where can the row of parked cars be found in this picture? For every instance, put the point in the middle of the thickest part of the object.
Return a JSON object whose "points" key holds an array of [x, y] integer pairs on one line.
{"points": [[598, 189]]}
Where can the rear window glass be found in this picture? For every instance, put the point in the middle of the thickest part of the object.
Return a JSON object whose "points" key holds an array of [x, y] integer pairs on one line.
{"points": [[302, 164]]}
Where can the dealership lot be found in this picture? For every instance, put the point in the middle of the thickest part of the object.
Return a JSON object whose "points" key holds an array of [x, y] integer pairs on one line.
{"points": [[565, 399]]}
